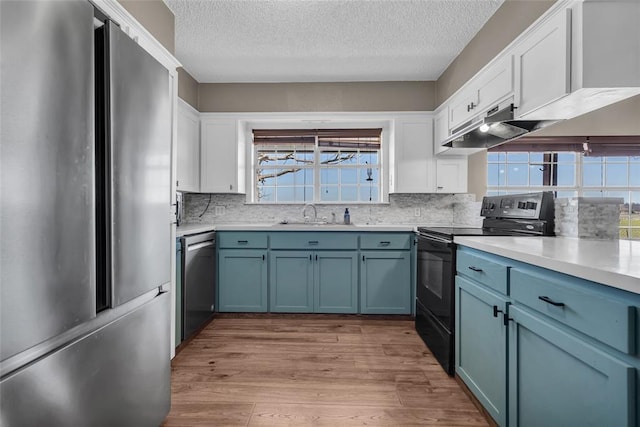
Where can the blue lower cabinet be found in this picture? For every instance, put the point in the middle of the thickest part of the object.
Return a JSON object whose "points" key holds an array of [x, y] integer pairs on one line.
{"points": [[313, 282], [335, 282], [558, 379], [481, 345], [242, 280], [385, 282], [291, 282]]}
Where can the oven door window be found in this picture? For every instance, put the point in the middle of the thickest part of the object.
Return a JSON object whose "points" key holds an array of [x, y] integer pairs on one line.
{"points": [[436, 281]]}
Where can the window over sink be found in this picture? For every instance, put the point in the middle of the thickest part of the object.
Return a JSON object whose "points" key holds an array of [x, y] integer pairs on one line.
{"points": [[317, 165]]}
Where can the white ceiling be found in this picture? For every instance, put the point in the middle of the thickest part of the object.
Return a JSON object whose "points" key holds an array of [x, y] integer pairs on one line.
{"points": [[323, 40]]}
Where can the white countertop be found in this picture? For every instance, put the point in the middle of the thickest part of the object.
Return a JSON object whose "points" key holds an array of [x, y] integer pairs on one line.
{"points": [[199, 228], [615, 263]]}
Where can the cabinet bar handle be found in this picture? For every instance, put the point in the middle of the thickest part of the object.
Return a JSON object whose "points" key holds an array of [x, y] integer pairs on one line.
{"points": [[263, 257], [505, 319], [310, 257], [385, 243], [550, 301], [479, 270], [496, 311], [313, 242], [362, 258], [243, 242], [316, 257]]}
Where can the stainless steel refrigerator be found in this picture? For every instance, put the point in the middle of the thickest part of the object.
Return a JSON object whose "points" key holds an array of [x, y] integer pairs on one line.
{"points": [[84, 221]]}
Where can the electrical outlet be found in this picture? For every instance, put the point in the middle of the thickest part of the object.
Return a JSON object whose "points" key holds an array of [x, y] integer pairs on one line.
{"points": [[219, 210], [416, 212]]}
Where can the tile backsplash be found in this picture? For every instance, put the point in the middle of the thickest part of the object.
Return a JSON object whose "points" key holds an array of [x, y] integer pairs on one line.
{"points": [[410, 209]]}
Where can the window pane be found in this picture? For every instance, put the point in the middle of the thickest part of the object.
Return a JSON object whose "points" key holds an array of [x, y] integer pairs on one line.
{"points": [[364, 174], [369, 194], [285, 194], [517, 157], [591, 159], [348, 176], [567, 157], [536, 157], [368, 157], [536, 175], [349, 193], [566, 174], [592, 175], [266, 194], [517, 174], [328, 156], [329, 193], [616, 174], [496, 175], [634, 174], [616, 159], [305, 157], [593, 194], [493, 157], [329, 176]]}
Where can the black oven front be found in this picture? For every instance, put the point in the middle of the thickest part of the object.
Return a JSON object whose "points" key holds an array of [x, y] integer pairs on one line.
{"points": [[435, 297]]}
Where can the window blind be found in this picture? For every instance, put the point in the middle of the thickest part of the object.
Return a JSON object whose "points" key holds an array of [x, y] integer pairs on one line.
{"points": [[338, 138]]}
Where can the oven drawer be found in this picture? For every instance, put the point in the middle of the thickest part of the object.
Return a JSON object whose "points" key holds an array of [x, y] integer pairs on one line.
{"points": [[386, 241], [576, 304], [489, 272]]}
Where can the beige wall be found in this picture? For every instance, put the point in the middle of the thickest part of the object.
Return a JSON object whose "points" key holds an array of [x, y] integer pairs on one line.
{"points": [[509, 21], [477, 174], [303, 97], [187, 88], [156, 17]]}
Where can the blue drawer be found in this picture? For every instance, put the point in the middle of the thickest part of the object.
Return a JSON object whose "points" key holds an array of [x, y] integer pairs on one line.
{"points": [[606, 318], [386, 241], [489, 272], [313, 240], [243, 239]]}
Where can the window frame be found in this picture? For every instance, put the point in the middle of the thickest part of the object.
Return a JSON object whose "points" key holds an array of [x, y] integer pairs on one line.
{"points": [[579, 189], [317, 121]]}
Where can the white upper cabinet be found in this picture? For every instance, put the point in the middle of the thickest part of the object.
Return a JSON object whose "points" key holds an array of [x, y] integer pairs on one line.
{"points": [[542, 64], [493, 84], [219, 147], [578, 58], [451, 175], [413, 163], [188, 152]]}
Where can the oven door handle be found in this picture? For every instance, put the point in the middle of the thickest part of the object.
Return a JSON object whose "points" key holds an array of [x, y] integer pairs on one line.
{"points": [[448, 242]]}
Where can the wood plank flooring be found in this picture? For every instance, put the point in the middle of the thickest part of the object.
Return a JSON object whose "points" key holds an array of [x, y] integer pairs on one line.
{"points": [[321, 371]]}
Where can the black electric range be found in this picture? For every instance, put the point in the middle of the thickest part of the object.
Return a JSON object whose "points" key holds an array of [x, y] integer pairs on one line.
{"points": [[529, 214]]}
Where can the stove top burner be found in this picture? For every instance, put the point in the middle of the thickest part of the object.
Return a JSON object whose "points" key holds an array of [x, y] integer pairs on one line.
{"points": [[463, 231]]}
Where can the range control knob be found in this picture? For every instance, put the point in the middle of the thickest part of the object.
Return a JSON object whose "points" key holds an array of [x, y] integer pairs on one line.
{"points": [[522, 205], [531, 205]]}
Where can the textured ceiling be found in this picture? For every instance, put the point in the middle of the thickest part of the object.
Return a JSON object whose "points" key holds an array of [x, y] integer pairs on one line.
{"points": [[324, 40]]}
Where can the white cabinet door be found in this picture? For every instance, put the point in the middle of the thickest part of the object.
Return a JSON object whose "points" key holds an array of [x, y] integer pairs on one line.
{"points": [[464, 106], [414, 156], [542, 64], [451, 175], [188, 162], [440, 130], [495, 84], [219, 156]]}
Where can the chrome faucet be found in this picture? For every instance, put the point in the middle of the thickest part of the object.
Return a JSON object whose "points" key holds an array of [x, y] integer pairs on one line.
{"points": [[315, 212]]}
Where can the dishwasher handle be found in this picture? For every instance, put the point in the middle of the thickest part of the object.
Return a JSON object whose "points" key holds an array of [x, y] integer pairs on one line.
{"points": [[200, 245]]}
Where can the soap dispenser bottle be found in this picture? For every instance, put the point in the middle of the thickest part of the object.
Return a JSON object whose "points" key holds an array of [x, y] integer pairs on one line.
{"points": [[347, 217]]}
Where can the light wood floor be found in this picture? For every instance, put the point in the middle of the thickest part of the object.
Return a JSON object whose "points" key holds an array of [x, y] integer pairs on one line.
{"points": [[321, 371]]}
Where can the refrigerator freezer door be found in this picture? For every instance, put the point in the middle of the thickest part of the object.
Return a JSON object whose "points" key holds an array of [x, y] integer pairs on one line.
{"points": [[116, 376], [47, 220], [140, 137]]}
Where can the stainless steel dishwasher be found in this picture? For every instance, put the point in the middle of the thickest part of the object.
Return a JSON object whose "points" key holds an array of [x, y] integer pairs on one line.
{"points": [[198, 281]]}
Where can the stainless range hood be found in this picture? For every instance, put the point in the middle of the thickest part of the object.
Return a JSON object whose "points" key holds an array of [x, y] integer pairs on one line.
{"points": [[497, 127]]}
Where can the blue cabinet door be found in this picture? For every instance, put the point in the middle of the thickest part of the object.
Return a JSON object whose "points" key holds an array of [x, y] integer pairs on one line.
{"points": [[557, 379], [291, 281], [481, 345], [385, 282], [242, 280], [335, 282]]}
